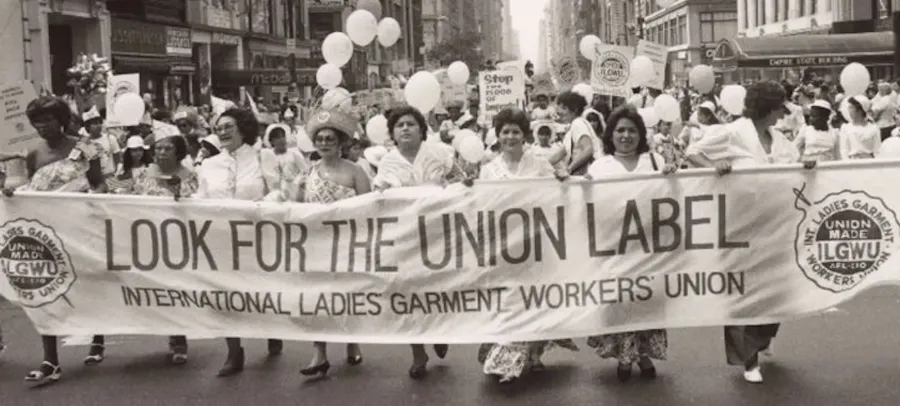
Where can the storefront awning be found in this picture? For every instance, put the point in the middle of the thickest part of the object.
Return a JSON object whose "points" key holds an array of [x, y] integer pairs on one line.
{"points": [[800, 51], [139, 64], [261, 77]]}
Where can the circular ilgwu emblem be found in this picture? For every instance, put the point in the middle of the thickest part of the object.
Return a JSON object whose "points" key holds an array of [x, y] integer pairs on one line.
{"points": [[323, 117], [567, 70], [844, 238], [35, 262], [613, 68]]}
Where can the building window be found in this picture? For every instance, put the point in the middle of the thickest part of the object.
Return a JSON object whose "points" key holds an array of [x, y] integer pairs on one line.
{"points": [[682, 30], [785, 11], [802, 8], [716, 26], [761, 13]]}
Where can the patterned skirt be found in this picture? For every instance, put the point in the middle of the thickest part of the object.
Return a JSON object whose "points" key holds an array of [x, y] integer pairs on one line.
{"points": [[510, 360], [629, 347]]}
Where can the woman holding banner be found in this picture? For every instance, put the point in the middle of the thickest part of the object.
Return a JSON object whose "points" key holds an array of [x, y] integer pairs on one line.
{"points": [[63, 163], [169, 177], [236, 174], [330, 179], [509, 360], [627, 150], [749, 141], [414, 163]]}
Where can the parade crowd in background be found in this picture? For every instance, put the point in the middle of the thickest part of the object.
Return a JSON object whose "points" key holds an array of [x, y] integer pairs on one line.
{"points": [[325, 155]]}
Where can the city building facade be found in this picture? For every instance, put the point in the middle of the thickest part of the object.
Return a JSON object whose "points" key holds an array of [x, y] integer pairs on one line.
{"points": [[488, 14]]}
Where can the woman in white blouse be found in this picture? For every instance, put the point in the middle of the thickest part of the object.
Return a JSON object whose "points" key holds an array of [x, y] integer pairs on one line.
{"points": [[414, 162], [627, 150], [817, 140], [860, 139], [236, 174], [746, 142], [516, 161], [581, 145]]}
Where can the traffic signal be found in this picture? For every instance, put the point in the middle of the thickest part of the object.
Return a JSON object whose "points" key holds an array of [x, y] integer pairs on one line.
{"points": [[529, 69]]}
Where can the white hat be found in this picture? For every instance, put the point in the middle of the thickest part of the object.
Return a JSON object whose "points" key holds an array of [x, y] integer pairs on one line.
{"points": [[90, 114], [824, 104], [135, 142], [272, 127], [181, 115], [212, 140], [708, 105]]}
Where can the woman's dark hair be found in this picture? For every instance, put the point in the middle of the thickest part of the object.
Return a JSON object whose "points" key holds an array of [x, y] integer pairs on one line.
{"points": [[514, 116], [247, 125], [623, 113], [180, 146], [290, 107], [128, 163], [574, 102], [762, 99], [855, 103], [819, 117], [364, 142], [210, 148], [49, 105], [599, 119], [162, 115], [397, 113], [276, 132]]}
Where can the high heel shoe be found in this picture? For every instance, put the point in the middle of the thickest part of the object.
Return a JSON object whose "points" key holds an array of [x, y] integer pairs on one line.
{"points": [[275, 347], [623, 372], [95, 355], [49, 372], [441, 350], [418, 372], [320, 369], [355, 359], [233, 364]]}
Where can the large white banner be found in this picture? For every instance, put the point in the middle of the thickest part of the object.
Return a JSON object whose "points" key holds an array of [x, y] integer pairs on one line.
{"points": [[500, 261]]}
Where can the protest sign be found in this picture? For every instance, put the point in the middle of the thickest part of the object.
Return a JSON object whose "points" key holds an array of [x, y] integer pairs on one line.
{"points": [[119, 85], [659, 55], [450, 91], [16, 132], [501, 261], [500, 89], [610, 71], [566, 71]]}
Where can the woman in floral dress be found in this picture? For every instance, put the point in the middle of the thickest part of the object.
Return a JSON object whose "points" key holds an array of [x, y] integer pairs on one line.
{"points": [[135, 159], [330, 179], [509, 360], [62, 163], [627, 150], [168, 176]]}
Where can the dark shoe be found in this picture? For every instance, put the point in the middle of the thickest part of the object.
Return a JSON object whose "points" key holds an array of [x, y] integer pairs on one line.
{"points": [[354, 360], [49, 372], [95, 355], [441, 350], [483, 351], [648, 373], [179, 355], [233, 364], [320, 369], [275, 347], [418, 372], [624, 372]]}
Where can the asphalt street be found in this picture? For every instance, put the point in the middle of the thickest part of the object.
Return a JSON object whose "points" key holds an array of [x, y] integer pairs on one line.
{"points": [[847, 356]]}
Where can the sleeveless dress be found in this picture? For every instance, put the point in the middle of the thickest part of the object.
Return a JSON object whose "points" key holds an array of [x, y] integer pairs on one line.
{"points": [[67, 174], [147, 183], [321, 190]]}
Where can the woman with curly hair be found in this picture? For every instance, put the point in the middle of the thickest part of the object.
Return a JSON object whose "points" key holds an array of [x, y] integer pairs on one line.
{"points": [[749, 141], [62, 163]]}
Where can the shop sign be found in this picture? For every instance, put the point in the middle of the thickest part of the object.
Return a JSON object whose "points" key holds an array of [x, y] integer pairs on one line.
{"points": [[225, 39], [262, 77], [135, 37], [815, 61], [178, 41]]}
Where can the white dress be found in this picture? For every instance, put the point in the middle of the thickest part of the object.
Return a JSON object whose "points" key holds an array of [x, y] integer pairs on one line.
{"points": [[233, 176], [609, 165], [860, 141], [432, 164], [738, 143], [530, 166]]}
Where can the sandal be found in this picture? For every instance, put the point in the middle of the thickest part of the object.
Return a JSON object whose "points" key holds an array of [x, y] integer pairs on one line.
{"points": [[95, 356], [49, 372]]}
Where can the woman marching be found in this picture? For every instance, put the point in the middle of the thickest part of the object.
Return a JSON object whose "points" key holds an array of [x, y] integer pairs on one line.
{"points": [[331, 178], [817, 141], [509, 360], [627, 150], [746, 142]]}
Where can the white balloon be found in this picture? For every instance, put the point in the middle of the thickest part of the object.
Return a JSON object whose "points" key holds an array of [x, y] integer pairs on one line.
{"points": [[129, 108], [377, 129], [584, 90], [588, 46], [423, 91], [459, 135], [337, 99], [362, 27], [702, 78], [642, 71], [667, 108], [329, 76], [732, 99], [458, 72], [471, 148], [855, 79], [649, 116], [337, 48], [388, 32]]}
